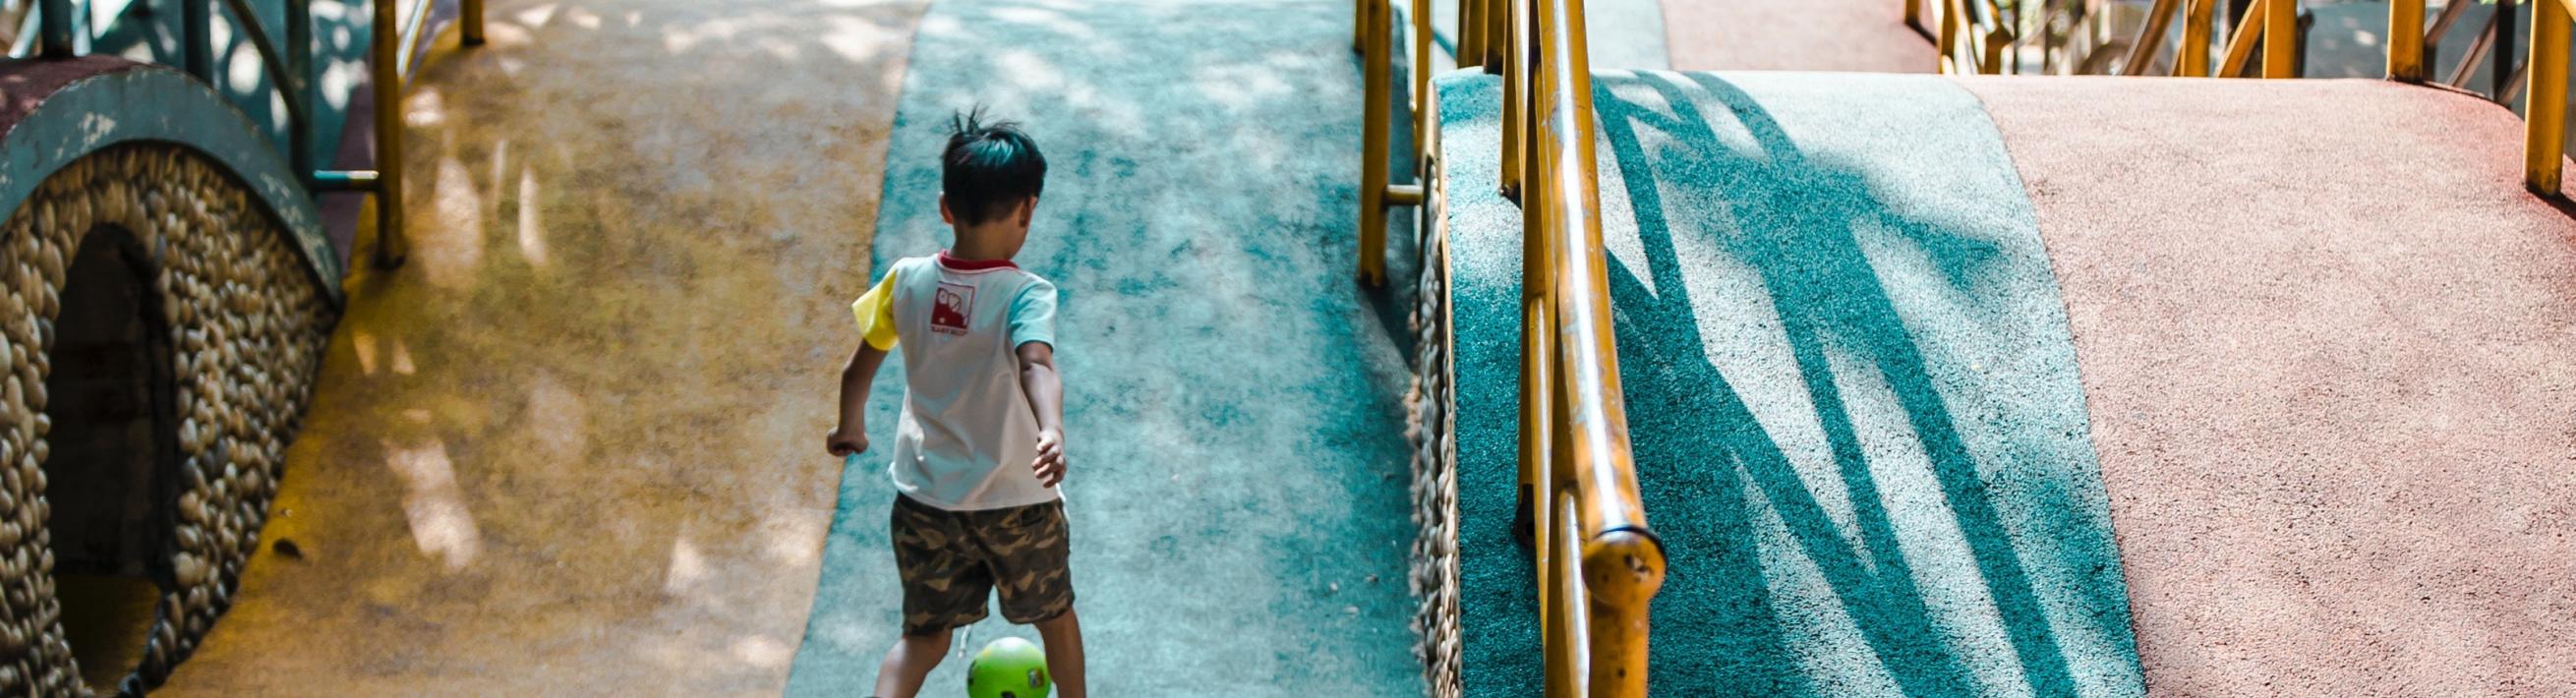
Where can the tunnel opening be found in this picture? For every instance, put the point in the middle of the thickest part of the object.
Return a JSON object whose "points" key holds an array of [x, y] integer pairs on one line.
{"points": [[112, 471]]}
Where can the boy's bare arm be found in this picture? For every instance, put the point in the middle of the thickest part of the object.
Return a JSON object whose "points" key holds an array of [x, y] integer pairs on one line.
{"points": [[857, 378], [1046, 398]]}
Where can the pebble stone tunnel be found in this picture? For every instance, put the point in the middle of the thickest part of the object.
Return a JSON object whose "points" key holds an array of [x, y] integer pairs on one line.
{"points": [[246, 324]]}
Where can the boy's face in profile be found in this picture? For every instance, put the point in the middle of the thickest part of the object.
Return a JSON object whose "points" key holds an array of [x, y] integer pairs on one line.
{"points": [[1002, 236]]}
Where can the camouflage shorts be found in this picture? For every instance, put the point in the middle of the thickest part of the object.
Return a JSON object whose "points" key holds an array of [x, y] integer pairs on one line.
{"points": [[950, 560]]}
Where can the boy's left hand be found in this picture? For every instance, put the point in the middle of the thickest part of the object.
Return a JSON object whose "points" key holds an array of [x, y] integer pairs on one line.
{"points": [[1050, 465]]}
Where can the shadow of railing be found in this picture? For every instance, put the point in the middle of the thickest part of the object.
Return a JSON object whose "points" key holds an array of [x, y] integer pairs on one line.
{"points": [[1794, 223]]}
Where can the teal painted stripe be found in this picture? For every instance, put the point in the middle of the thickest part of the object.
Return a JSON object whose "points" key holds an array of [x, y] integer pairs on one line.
{"points": [[1852, 394], [1239, 511]]}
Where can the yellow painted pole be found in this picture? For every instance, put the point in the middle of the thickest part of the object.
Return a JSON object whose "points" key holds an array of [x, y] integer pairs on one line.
{"points": [[2406, 40], [1377, 89], [1516, 70], [2280, 38], [386, 79], [1948, 44], [470, 22], [2152, 37], [2192, 58], [1471, 33], [2240, 42], [2544, 124], [1570, 672], [1360, 26], [1421, 71]]}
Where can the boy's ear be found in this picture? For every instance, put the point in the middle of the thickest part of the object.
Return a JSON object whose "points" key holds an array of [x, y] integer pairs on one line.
{"points": [[944, 215], [1028, 210]]}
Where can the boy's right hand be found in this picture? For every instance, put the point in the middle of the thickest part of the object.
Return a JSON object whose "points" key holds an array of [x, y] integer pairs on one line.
{"points": [[845, 442]]}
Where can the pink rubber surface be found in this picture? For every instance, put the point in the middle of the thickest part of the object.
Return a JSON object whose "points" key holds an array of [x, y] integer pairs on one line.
{"points": [[2329, 351], [1836, 35]]}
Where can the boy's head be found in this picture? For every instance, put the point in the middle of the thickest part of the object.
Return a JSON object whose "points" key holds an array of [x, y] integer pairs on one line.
{"points": [[989, 178]]}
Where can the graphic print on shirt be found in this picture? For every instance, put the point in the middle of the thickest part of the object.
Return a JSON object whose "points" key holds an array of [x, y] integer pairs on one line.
{"points": [[953, 305]]}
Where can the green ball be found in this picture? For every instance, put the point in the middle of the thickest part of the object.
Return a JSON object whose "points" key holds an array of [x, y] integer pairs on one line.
{"points": [[1008, 668]]}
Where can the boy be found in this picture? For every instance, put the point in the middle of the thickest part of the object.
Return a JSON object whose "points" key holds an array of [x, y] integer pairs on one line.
{"points": [[980, 448]]}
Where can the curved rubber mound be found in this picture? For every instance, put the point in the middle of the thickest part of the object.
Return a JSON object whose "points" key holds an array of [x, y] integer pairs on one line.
{"points": [[2325, 336], [1857, 421], [2320, 330]]}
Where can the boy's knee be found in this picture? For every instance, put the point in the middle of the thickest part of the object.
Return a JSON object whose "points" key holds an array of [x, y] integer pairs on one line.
{"points": [[934, 641]]}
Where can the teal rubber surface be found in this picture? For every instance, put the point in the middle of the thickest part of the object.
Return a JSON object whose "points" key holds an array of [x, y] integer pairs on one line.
{"points": [[1238, 498], [1852, 394]]}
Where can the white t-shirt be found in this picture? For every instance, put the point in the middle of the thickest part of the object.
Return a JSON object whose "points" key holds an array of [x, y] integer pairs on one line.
{"points": [[968, 434]]}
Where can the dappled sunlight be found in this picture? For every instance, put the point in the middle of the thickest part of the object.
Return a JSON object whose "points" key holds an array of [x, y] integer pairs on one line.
{"points": [[440, 521], [532, 231], [447, 245], [363, 344], [688, 568], [763, 651], [561, 442]]}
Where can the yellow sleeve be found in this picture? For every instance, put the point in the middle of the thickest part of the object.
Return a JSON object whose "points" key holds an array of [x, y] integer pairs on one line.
{"points": [[875, 311]]}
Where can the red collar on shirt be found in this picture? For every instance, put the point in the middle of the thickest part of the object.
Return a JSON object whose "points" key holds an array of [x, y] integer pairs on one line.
{"points": [[952, 262]]}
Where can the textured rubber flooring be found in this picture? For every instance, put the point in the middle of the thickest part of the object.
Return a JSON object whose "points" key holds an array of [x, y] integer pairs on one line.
{"points": [[1852, 35], [1238, 499], [1856, 416], [572, 447], [2325, 336]]}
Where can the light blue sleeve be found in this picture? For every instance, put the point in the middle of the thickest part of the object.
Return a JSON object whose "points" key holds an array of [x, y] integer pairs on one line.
{"points": [[1033, 315]]}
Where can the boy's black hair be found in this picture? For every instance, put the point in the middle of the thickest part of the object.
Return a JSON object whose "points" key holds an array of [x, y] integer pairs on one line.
{"points": [[988, 168]]}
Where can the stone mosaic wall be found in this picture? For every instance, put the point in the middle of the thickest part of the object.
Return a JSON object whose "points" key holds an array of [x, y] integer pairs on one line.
{"points": [[247, 326], [1433, 432]]}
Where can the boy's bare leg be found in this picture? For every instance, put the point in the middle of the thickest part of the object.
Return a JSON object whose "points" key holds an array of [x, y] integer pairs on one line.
{"points": [[909, 663], [1063, 637]]}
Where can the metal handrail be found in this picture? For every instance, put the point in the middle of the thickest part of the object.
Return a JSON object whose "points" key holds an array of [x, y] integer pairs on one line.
{"points": [[290, 70], [2544, 146], [2542, 75], [1972, 33], [1374, 33], [1599, 566]]}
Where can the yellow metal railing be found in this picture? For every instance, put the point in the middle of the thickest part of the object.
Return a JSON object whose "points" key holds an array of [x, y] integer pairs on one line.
{"points": [[389, 65], [2544, 121], [2544, 73], [1374, 32], [1598, 564], [1973, 35]]}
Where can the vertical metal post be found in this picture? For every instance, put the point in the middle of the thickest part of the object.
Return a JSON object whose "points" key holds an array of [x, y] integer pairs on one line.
{"points": [[2406, 40], [2192, 60], [1377, 88], [1516, 69], [470, 22], [54, 28], [2501, 76], [196, 38], [298, 85], [2280, 38], [386, 80], [2544, 125], [1471, 33], [1420, 68], [1359, 26]]}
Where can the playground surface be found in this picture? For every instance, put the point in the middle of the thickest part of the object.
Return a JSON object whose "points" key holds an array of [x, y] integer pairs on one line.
{"points": [[1936, 385], [1238, 499], [574, 445]]}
